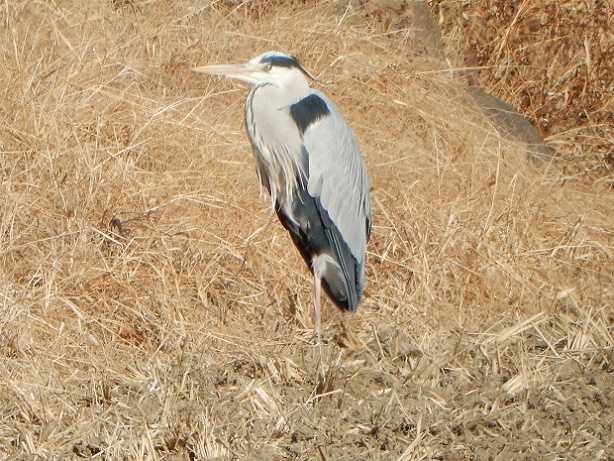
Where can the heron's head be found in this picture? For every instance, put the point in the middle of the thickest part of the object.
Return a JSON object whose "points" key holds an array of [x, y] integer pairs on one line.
{"points": [[272, 67]]}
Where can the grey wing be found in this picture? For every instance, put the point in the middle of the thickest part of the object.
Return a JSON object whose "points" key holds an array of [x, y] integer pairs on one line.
{"points": [[338, 181], [338, 177]]}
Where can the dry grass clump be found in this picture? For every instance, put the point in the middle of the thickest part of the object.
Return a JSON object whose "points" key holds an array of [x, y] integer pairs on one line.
{"points": [[553, 61], [153, 308]]}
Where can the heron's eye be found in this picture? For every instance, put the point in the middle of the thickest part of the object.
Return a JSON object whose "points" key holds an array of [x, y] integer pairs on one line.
{"points": [[267, 66]]}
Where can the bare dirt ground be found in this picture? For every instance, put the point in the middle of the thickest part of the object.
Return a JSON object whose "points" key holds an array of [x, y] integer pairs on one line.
{"points": [[151, 306]]}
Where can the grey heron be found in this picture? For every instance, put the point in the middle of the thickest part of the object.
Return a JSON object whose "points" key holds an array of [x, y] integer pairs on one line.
{"points": [[308, 160]]}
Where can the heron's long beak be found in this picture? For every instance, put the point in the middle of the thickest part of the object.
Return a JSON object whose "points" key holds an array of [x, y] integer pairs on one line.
{"points": [[242, 72]]}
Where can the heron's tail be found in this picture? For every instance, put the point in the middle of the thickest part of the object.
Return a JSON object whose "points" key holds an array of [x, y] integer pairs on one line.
{"points": [[341, 274]]}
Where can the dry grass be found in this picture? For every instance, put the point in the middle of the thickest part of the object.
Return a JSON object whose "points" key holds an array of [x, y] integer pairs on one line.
{"points": [[153, 308], [551, 59]]}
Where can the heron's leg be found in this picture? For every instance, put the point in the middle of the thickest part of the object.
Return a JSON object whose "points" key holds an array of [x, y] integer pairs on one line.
{"points": [[317, 297]]}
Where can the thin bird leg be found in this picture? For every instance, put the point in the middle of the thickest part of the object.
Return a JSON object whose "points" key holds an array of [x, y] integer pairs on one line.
{"points": [[317, 295]]}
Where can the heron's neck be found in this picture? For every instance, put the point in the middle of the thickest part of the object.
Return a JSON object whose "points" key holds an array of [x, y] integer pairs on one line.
{"points": [[295, 90], [289, 91]]}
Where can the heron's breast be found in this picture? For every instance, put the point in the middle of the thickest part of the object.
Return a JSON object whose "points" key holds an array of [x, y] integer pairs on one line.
{"points": [[276, 141]]}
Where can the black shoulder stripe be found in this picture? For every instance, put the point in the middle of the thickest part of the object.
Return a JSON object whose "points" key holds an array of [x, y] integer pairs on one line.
{"points": [[307, 111], [281, 61]]}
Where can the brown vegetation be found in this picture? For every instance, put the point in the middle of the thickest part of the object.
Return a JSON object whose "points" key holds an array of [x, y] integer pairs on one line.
{"points": [[554, 61], [151, 307]]}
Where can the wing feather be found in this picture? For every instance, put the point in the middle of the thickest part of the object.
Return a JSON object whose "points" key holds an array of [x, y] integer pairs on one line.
{"points": [[338, 177], [338, 181]]}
